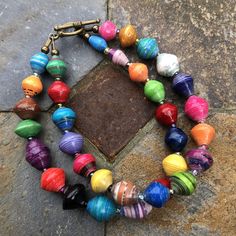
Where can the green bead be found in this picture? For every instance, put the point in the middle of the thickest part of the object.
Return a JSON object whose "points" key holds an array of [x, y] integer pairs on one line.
{"points": [[154, 90], [56, 67], [28, 128]]}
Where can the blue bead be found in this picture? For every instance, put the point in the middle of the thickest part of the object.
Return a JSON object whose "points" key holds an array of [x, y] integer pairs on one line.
{"points": [[64, 118], [147, 48], [97, 43], [38, 62], [101, 208], [176, 139], [156, 194], [183, 84]]}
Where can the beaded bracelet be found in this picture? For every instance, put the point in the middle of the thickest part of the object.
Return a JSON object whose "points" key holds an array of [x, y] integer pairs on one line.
{"points": [[132, 203]]}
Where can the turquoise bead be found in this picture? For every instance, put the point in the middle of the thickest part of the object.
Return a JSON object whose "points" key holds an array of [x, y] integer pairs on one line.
{"points": [[147, 48], [38, 62], [101, 208], [98, 43]]}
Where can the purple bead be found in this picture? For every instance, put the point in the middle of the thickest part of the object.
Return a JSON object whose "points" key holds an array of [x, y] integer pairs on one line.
{"points": [[37, 154], [71, 143]]}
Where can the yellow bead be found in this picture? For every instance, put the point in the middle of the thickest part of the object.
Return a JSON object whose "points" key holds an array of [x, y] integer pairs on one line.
{"points": [[32, 85], [101, 180], [127, 36], [174, 163]]}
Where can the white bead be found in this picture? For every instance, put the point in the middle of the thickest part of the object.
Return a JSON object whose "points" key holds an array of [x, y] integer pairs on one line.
{"points": [[167, 64]]}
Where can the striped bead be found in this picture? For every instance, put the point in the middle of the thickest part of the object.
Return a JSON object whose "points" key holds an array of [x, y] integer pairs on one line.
{"points": [[38, 62], [118, 57], [98, 43], [147, 48], [56, 67]]}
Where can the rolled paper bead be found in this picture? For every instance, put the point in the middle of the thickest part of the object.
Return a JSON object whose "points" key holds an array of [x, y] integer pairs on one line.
{"points": [[53, 179], [32, 85], [108, 30], [27, 108], [118, 57], [71, 143], [176, 139], [167, 64], [163, 181], [174, 163], [59, 92], [154, 90], [124, 193], [183, 84], [28, 128], [37, 154], [183, 183], [196, 108], [64, 118], [38, 62], [101, 180], [147, 48], [56, 67], [156, 194], [98, 43], [127, 36], [166, 114], [203, 134], [139, 210], [84, 164], [138, 72]]}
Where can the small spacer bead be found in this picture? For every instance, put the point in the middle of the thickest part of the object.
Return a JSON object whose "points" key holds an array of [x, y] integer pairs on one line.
{"points": [[195, 172], [141, 197], [118, 31], [137, 40], [178, 153], [118, 211], [172, 192], [106, 51], [35, 74], [59, 105], [173, 125], [58, 79]]}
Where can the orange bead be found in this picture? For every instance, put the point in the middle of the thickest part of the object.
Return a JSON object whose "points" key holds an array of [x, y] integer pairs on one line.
{"points": [[127, 36], [138, 72], [32, 85], [203, 134]]}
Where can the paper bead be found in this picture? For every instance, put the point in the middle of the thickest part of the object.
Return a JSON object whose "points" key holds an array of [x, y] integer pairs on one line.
{"points": [[56, 67], [108, 30], [118, 57], [98, 43], [39, 62], [163, 181], [32, 85], [147, 48], [154, 90], [138, 72], [127, 36]]}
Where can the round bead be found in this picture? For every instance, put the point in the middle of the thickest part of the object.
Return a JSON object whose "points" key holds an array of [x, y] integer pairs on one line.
{"points": [[27, 108], [98, 43], [56, 67], [154, 91], [28, 128], [108, 30], [183, 183], [138, 72], [166, 114], [196, 108], [164, 181], [156, 194], [127, 36], [101, 180], [37, 154], [183, 84], [32, 85], [118, 57], [167, 64], [147, 48], [174, 163], [71, 143], [38, 62], [53, 179], [84, 164], [59, 92]]}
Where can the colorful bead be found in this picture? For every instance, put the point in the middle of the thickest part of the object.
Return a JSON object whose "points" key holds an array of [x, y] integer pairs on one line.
{"points": [[32, 85], [101, 208], [154, 90], [39, 62], [59, 92], [118, 57], [166, 114], [183, 84], [108, 30], [97, 43], [84, 164], [156, 194], [37, 154], [147, 48], [28, 128], [138, 72], [27, 108], [163, 181], [183, 183], [56, 67], [196, 108], [101, 180], [127, 36], [174, 163], [71, 143], [167, 64], [53, 179]]}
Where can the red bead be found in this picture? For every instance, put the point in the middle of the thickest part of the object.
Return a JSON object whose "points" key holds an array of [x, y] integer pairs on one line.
{"points": [[166, 114], [59, 92], [164, 181], [53, 179]]}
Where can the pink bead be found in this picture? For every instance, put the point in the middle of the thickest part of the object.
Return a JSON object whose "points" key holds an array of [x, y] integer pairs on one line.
{"points": [[196, 108], [108, 30], [120, 58]]}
